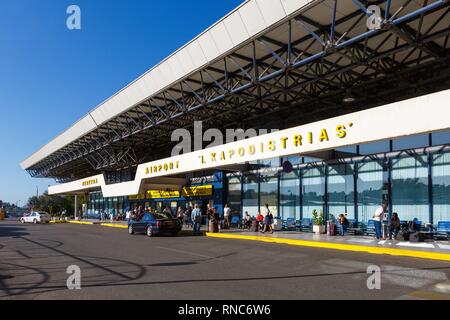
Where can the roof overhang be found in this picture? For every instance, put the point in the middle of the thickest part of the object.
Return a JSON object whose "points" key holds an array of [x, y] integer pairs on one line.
{"points": [[290, 60], [410, 117]]}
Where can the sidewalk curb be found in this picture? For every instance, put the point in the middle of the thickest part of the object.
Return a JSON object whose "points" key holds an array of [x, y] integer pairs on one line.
{"points": [[111, 225], [338, 246], [58, 221], [80, 222]]}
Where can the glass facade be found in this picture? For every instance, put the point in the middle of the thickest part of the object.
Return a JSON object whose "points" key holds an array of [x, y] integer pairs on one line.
{"points": [[370, 183], [415, 183], [97, 203], [313, 191], [341, 190], [290, 195], [441, 187], [410, 188], [250, 194], [234, 194], [269, 193]]}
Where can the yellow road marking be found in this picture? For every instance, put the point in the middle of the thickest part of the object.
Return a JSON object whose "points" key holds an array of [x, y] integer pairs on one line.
{"points": [[339, 246]]}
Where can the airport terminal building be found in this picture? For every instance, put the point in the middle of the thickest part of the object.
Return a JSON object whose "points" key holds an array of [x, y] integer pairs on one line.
{"points": [[358, 92]]}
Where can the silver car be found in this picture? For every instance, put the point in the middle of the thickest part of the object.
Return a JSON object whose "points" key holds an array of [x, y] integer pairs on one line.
{"points": [[36, 217]]}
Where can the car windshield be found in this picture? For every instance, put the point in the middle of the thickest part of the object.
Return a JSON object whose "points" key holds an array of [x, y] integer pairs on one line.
{"points": [[162, 215]]}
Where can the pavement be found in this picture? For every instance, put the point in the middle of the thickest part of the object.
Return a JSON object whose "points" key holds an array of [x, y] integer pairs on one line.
{"points": [[114, 265]]}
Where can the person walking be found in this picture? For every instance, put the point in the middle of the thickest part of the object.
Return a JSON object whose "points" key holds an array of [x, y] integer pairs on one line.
{"points": [[196, 220], [378, 217], [268, 220], [180, 214], [227, 216]]}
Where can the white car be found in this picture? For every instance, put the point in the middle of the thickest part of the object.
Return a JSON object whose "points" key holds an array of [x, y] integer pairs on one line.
{"points": [[36, 217]]}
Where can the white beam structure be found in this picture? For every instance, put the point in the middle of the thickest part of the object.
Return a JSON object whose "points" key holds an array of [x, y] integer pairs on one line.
{"points": [[424, 114]]}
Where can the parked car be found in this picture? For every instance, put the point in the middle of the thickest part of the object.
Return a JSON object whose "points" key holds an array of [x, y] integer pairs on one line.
{"points": [[35, 217], [155, 223]]}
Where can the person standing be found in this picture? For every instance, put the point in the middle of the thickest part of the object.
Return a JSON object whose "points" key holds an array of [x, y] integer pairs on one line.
{"points": [[196, 220], [378, 218], [227, 216]]}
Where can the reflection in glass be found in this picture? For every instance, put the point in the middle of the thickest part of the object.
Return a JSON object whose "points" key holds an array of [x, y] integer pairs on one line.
{"points": [[341, 194], [374, 147], [234, 194], [370, 190], [290, 196], [410, 188], [413, 142], [441, 187], [250, 195], [269, 194], [313, 190]]}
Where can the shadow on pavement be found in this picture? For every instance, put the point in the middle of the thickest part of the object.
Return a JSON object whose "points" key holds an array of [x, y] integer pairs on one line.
{"points": [[12, 231]]}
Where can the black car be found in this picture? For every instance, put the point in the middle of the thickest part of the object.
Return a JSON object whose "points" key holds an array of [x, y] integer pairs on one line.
{"points": [[155, 223]]}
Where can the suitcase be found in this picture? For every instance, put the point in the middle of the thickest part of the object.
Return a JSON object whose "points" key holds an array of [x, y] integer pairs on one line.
{"points": [[331, 228]]}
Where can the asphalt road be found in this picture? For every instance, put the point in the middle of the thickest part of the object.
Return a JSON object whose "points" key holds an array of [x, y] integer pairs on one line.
{"points": [[114, 265]]}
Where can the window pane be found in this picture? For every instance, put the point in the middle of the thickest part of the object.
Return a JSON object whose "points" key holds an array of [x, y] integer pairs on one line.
{"points": [[293, 159], [346, 152], [250, 195], [269, 194], [269, 163], [313, 191], [370, 190], [417, 141], [234, 194], [374, 147], [441, 188], [440, 138], [410, 188], [341, 190], [290, 196]]}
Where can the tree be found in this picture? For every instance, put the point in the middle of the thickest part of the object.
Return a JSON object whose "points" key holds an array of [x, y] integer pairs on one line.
{"points": [[52, 204]]}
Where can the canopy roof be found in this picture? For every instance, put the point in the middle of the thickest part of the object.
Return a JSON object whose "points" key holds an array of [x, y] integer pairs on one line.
{"points": [[269, 63]]}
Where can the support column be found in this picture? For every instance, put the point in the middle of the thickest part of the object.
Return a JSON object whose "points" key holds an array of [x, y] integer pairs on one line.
{"points": [[76, 207]]}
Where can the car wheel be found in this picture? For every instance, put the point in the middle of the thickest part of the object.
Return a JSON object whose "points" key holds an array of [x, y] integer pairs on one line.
{"points": [[22, 221], [130, 230], [149, 232], [35, 221]]}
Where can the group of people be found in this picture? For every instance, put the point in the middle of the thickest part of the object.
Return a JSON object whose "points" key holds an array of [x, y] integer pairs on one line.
{"points": [[215, 220], [264, 222], [384, 229], [382, 226]]}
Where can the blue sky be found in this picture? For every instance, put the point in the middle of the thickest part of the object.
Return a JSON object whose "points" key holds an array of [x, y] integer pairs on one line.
{"points": [[50, 76]]}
